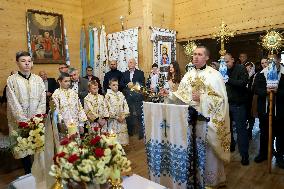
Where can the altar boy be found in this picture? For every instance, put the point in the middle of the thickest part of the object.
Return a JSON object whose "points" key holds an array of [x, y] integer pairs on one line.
{"points": [[95, 107], [68, 104], [26, 97], [118, 110]]}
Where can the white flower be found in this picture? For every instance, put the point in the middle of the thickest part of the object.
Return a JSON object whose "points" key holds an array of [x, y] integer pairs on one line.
{"points": [[37, 120], [85, 166], [107, 152], [100, 164], [65, 175], [30, 138], [14, 133], [75, 175], [17, 149], [41, 125], [85, 178], [100, 180], [100, 172], [19, 139], [32, 132]]}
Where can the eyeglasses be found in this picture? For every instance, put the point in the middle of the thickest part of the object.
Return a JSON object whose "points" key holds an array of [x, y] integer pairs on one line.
{"points": [[62, 68], [89, 70]]}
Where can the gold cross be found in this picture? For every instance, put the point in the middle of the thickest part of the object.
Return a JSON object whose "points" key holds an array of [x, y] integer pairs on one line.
{"points": [[223, 35]]}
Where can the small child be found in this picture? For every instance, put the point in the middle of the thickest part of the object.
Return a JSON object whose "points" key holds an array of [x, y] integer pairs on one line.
{"points": [[118, 110], [68, 104], [153, 79], [95, 107]]}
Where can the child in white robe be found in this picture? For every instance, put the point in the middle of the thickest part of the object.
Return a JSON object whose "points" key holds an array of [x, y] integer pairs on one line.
{"points": [[68, 105], [95, 108], [118, 110]]}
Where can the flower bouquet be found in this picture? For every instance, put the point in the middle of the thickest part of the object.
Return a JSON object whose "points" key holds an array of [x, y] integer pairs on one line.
{"points": [[28, 139], [95, 158]]}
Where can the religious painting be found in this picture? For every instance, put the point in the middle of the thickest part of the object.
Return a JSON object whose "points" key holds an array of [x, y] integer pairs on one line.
{"points": [[164, 48], [45, 37], [164, 53]]}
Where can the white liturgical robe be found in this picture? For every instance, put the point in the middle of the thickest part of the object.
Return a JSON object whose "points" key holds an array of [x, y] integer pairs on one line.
{"points": [[213, 104]]}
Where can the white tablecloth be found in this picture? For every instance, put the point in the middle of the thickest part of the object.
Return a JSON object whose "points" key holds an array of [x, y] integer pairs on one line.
{"points": [[134, 181]]}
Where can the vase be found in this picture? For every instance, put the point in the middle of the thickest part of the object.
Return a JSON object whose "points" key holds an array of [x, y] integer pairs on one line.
{"points": [[93, 186], [83, 185], [76, 185]]}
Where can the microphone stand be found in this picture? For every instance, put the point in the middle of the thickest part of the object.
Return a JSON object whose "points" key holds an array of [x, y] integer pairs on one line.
{"points": [[193, 117]]}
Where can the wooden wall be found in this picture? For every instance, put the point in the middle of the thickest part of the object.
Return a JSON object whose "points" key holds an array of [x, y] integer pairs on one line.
{"points": [[13, 32], [197, 19]]}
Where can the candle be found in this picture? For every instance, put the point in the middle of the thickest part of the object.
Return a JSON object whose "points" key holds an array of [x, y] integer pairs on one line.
{"points": [[72, 128], [112, 136]]}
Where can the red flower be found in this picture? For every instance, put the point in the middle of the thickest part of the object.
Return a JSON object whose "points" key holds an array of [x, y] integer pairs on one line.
{"points": [[73, 158], [61, 154], [39, 115], [23, 125], [99, 152], [95, 140], [64, 141], [96, 129]]}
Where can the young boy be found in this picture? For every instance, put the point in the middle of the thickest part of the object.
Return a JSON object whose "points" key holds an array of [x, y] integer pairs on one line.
{"points": [[153, 79], [26, 97], [118, 110], [95, 107], [68, 105]]}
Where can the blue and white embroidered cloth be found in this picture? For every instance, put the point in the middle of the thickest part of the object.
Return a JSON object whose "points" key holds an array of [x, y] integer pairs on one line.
{"points": [[168, 146]]}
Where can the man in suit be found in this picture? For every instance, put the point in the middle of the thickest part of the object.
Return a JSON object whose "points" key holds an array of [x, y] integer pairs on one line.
{"points": [[134, 99], [78, 84], [91, 77], [50, 86], [133, 75], [113, 73]]}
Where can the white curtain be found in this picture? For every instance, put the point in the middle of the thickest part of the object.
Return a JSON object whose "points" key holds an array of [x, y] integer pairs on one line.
{"points": [[103, 55], [97, 69], [123, 46]]}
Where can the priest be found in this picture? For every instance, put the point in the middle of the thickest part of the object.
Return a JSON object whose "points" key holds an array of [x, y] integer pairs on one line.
{"points": [[204, 89]]}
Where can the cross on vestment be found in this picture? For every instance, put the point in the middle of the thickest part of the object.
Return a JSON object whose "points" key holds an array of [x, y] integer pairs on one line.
{"points": [[124, 51], [164, 125]]}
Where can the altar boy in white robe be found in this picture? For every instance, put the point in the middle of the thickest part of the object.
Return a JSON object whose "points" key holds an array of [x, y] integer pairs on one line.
{"points": [[68, 105], [203, 88], [118, 110], [26, 97], [95, 107]]}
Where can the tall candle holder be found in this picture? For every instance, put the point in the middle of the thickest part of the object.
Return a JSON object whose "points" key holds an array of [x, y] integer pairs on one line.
{"points": [[272, 41], [121, 18], [223, 35]]}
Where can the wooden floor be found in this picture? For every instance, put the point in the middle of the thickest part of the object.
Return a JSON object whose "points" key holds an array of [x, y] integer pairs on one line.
{"points": [[254, 176]]}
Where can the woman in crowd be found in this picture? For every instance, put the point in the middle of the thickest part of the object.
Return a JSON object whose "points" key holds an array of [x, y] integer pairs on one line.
{"points": [[174, 77]]}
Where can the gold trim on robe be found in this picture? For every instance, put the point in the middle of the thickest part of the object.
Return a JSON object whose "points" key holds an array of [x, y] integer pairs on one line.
{"points": [[213, 104]]}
